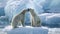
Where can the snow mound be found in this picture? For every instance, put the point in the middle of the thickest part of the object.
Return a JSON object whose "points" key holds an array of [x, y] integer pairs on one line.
{"points": [[23, 30], [7, 28]]}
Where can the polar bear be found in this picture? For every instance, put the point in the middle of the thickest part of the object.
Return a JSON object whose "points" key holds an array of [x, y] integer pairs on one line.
{"points": [[19, 18], [35, 20]]}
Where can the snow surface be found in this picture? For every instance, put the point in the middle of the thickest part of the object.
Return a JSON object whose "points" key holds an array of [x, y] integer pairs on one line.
{"points": [[54, 31], [30, 30], [25, 30]]}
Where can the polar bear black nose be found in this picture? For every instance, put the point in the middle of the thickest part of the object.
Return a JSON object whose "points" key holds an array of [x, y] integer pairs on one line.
{"points": [[28, 9]]}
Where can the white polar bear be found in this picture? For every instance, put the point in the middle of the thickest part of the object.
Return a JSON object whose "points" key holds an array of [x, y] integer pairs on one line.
{"points": [[19, 18], [35, 20]]}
